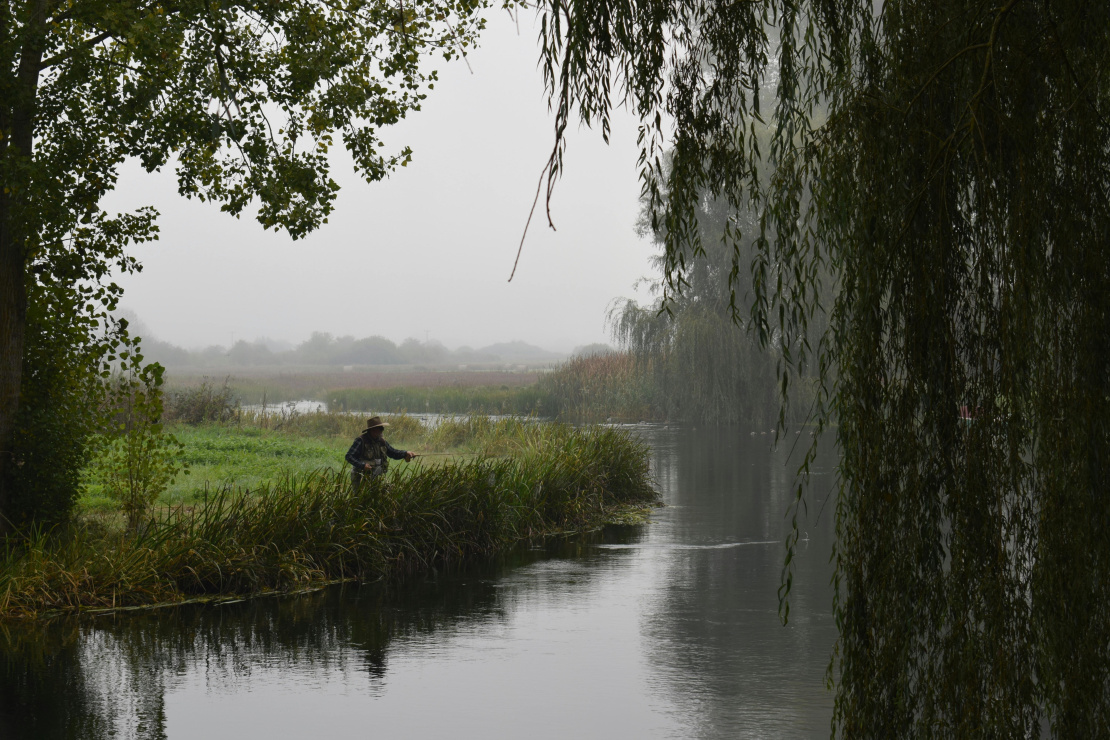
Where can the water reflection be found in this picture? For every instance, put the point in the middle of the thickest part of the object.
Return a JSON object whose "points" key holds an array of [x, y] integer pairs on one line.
{"points": [[668, 630], [712, 632]]}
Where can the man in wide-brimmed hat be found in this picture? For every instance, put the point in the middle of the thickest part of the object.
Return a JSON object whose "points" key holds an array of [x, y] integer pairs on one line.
{"points": [[370, 454]]}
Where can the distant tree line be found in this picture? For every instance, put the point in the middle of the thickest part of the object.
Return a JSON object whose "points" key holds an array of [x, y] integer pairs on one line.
{"points": [[324, 349]]}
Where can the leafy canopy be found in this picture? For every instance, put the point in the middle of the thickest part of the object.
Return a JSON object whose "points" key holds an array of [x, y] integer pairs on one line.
{"points": [[948, 162], [246, 96], [244, 99]]}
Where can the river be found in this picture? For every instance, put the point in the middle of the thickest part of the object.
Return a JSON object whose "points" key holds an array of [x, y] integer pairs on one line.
{"points": [[666, 630]]}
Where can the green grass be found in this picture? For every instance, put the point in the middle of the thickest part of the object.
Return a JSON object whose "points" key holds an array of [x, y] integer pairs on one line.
{"points": [[296, 529], [248, 457], [257, 451], [221, 455]]}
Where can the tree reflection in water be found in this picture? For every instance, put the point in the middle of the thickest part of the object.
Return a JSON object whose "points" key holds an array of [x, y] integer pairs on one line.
{"points": [[108, 676], [713, 632]]}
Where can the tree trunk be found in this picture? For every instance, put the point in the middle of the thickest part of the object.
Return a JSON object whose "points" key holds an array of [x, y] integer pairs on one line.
{"points": [[13, 320], [17, 157]]}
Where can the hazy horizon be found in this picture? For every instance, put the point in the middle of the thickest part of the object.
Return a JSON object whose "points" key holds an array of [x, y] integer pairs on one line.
{"points": [[139, 327], [426, 253]]}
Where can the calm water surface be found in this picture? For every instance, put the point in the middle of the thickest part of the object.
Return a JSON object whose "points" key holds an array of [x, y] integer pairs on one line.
{"points": [[668, 630]]}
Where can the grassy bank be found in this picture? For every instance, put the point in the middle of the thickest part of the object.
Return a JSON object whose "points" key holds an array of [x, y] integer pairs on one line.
{"points": [[225, 456], [251, 450], [296, 529]]}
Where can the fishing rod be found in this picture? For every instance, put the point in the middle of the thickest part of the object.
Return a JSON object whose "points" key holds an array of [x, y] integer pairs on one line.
{"points": [[456, 454]]}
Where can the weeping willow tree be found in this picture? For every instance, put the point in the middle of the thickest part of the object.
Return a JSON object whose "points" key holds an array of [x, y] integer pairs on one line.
{"points": [[686, 345], [958, 191]]}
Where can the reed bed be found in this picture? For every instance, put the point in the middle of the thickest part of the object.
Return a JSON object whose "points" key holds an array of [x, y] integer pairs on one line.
{"points": [[523, 400], [313, 528], [204, 402], [590, 387]]}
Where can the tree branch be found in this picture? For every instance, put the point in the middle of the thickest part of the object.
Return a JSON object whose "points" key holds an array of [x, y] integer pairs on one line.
{"points": [[87, 44]]}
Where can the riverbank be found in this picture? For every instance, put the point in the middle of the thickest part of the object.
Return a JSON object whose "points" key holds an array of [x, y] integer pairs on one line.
{"points": [[307, 528]]}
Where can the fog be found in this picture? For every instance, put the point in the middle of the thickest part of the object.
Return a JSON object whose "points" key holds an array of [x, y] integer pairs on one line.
{"points": [[426, 253]]}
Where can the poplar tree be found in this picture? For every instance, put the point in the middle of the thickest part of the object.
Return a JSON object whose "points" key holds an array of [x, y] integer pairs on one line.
{"points": [[948, 163], [245, 98]]}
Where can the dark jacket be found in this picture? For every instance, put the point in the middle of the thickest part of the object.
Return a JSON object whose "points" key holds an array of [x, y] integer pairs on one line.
{"points": [[376, 452]]}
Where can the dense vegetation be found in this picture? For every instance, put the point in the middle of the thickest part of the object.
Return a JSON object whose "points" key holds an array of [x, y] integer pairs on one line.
{"points": [[596, 387], [615, 385], [667, 377], [524, 400], [287, 526], [696, 358], [947, 163]]}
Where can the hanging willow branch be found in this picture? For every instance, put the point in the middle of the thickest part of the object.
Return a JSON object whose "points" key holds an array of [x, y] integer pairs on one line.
{"points": [[948, 163]]}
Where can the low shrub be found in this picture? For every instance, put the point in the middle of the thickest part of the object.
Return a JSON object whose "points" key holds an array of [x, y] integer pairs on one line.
{"points": [[202, 403], [138, 459]]}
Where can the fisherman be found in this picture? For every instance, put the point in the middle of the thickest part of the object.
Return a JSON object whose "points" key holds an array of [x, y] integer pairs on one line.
{"points": [[370, 454]]}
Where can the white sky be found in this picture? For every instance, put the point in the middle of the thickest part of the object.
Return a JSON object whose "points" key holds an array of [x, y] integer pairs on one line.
{"points": [[428, 251]]}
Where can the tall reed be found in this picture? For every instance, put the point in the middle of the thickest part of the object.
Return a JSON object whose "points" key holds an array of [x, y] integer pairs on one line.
{"points": [[313, 528], [600, 386], [201, 403], [593, 387]]}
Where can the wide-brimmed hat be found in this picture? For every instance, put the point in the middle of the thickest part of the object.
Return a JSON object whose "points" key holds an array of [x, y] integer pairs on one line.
{"points": [[374, 422]]}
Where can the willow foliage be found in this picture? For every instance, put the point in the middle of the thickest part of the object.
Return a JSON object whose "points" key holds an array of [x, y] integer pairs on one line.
{"points": [[948, 162], [696, 364]]}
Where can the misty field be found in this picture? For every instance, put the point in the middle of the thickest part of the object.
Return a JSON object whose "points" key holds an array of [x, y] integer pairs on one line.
{"points": [[601, 387], [291, 384]]}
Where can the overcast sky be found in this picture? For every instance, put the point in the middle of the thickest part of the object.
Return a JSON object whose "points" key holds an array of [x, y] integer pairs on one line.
{"points": [[427, 252]]}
